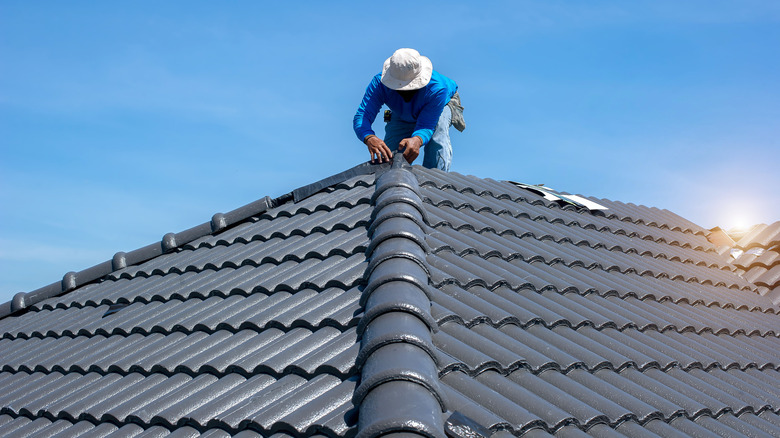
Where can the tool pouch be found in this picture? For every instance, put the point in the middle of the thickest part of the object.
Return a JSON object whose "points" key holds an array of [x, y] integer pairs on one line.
{"points": [[457, 112]]}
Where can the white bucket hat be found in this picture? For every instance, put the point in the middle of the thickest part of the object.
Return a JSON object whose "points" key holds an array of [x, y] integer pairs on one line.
{"points": [[406, 70]]}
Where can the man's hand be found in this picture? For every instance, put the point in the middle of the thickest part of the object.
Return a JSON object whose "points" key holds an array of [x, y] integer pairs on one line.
{"points": [[411, 148], [378, 150]]}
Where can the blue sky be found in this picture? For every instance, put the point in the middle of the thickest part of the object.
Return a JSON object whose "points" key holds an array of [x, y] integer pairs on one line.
{"points": [[122, 121]]}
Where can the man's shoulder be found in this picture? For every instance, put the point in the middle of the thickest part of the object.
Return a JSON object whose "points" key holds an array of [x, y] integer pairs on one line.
{"points": [[438, 76], [441, 84], [377, 85], [439, 80], [376, 80]]}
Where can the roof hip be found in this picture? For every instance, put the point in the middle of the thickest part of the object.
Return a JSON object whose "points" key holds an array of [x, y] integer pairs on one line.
{"points": [[399, 389]]}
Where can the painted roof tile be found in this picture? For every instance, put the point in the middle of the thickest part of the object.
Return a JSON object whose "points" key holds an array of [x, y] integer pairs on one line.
{"points": [[383, 302]]}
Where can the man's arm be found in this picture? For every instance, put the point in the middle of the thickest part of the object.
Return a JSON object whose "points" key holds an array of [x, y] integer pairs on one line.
{"points": [[364, 117]]}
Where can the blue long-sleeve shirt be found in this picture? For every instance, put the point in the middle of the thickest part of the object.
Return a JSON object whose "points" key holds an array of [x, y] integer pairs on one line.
{"points": [[424, 109]]}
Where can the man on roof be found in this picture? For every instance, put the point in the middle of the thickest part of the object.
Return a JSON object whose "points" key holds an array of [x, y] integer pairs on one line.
{"points": [[423, 105]]}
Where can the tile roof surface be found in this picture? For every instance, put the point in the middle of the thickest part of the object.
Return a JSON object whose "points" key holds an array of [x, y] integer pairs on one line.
{"points": [[758, 258], [401, 301]]}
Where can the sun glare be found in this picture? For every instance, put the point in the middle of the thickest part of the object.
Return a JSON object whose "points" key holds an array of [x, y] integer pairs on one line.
{"points": [[738, 220], [738, 214], [738, 223]]}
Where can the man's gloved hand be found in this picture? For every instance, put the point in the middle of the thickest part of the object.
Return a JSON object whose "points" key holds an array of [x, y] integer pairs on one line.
{"points": [[411, 148], [378, 149]]}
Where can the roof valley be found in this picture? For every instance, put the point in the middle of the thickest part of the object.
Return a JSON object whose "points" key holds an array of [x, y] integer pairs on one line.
{"points": [[399, 389]]}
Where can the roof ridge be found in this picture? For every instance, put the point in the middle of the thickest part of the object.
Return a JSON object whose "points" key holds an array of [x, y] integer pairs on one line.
{"points": [[173, 241], [399, 389]]}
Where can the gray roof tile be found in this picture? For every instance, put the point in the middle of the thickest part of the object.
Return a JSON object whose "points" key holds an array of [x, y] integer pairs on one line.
{"points": [[759, 260], [599, 314], [381, 304], [761, 236], [203, 322], [766, 259]]}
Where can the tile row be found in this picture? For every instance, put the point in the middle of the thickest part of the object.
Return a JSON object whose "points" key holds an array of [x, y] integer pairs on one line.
{"points": [[348, 193], [275, 251], [22, 427], [471, 270], [535, 347], [529, 249], [724, 425], [621, 245], [305, 308], [764, 277], [568, 217], [261, 403], [761, 236], [766, 259], [266, 228], [610, 233], [291, 276], [247, 352], [500, 306], [478, 187], [523, 401]]}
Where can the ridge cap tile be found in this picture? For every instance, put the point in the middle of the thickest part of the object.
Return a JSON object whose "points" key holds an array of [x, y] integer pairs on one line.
{"points": [[399, 390], [391, 363], [400, 297]]}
